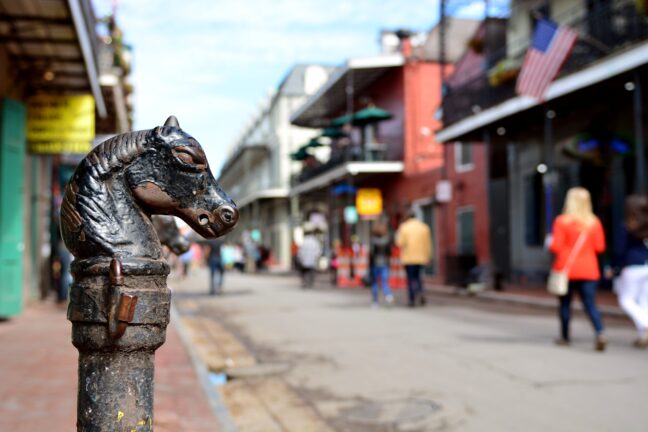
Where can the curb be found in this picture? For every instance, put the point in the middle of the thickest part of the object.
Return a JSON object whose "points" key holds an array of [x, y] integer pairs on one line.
{"points": [[494, 297], [215, 401], [519, 299]]}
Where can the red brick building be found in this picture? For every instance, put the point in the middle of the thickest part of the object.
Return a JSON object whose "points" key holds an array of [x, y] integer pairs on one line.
{"points": [[406, 84]]}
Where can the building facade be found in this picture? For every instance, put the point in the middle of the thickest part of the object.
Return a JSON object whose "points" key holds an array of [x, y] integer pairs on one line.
{"points": [[411, 166], [46, 48], [258, 171], [587, 132]]}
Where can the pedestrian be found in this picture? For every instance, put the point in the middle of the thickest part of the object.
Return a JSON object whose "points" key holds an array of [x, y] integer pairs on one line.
{"points": [[379, 257], [415, 241], [335, 262], [632, 284], [238, 257], [216, 267], [309, 254], [185, 260], [577, 238], [66, 259]]}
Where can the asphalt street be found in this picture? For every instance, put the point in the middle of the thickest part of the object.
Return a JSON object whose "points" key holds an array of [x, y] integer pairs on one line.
{"points": [[452, 365]]}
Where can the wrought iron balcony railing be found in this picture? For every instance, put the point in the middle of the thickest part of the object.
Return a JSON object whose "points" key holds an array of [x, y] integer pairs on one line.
{"points": [[604, 30], [370, 152]]}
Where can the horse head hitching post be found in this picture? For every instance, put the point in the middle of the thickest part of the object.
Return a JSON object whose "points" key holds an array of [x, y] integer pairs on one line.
{"points": [[119, 301]]}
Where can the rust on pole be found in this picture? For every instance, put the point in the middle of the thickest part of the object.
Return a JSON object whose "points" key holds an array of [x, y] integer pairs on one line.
{"points": [[119, 301]]}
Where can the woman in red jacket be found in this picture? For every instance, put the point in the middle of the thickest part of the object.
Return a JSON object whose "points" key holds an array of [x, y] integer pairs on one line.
{"points": [[579, 222]]}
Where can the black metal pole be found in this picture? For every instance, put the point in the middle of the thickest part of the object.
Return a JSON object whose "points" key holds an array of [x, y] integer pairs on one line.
{"points": [[640, 152], [549, 177], [116, 371]]}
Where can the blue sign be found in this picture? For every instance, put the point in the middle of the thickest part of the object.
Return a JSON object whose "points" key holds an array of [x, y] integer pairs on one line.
{"points": [[342, 189]]}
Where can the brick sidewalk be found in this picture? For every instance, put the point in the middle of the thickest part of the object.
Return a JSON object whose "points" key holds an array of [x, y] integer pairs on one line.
{"points": [[38, 378]]}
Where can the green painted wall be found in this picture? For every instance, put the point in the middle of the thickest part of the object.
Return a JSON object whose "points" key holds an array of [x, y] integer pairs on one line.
{"points": [[12, 157]]}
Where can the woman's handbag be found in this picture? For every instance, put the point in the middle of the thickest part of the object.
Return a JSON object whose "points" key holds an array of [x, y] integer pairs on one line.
{"points": [[558, 282]]}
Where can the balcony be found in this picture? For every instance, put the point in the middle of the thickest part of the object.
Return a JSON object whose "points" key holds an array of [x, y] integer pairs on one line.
{"points": [[342, 154], [604, 31], [351, 159]]}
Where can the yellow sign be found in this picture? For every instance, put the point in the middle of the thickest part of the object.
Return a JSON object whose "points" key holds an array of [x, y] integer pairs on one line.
{"points": [[369, 202], [60, 123]]}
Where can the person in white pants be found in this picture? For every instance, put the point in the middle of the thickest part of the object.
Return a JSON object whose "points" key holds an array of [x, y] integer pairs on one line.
{"points": [[632, 289], [632, 284]]}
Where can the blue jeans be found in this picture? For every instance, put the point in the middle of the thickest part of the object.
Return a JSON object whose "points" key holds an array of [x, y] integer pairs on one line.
{"points": [[414, 283], [587, 291], [381, 272], [216, 275]]}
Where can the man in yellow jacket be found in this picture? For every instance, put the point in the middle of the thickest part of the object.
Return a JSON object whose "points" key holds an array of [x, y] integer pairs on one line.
{"points": [[415, 243]]}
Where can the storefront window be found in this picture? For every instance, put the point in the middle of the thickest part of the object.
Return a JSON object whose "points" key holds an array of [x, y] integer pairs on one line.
{"points": [[466, 231], [463, 157]]}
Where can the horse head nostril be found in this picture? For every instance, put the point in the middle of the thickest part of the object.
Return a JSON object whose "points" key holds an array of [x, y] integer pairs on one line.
{"points": [[228, 215]]}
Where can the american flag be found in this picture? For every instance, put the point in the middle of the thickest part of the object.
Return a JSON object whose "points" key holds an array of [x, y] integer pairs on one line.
{"points": [[550, 47]]}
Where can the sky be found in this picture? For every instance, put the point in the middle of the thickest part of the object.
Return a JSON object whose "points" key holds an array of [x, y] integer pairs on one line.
{"points": [[211, 62]]}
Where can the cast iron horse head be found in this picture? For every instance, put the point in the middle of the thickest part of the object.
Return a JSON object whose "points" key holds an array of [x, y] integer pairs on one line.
{"points": [[109, 201]]}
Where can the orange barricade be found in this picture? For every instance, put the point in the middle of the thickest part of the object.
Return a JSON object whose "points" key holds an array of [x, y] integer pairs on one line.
{"points": [[344, 268], [360, 267], [397, 278], [351, 267]]}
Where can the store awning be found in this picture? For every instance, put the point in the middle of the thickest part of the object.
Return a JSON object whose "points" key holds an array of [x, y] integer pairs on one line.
{"points": [[331, 98], [350, 168], [53, 46]]}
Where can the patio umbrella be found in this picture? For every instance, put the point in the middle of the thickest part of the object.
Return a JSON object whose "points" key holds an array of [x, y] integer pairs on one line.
{"points": [[300, 155], [341, 121], [313, 143], [371, 114], [333, 132]]}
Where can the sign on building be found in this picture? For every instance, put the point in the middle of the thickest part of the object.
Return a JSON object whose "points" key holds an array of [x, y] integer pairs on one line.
{"points": [[369, 202], [60, 124], [443, 191], [350, 215]]}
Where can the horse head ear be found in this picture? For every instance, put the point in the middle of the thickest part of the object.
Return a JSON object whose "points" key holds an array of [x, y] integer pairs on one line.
{"points": [[172, 121]]}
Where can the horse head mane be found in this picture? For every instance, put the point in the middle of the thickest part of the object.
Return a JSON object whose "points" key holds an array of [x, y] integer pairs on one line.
{"points": [[86, 192], [114, 153]]}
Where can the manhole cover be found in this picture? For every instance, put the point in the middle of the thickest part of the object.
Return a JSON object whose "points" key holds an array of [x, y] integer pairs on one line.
{"points": [[392, 412]]}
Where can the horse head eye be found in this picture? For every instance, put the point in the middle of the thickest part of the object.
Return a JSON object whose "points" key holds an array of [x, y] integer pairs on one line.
{"points": [[185, 157], [190, 157]]}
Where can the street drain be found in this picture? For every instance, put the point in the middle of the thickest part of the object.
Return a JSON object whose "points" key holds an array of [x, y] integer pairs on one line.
{"points": [[217, 378], [257, 370], [392, 413]]}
